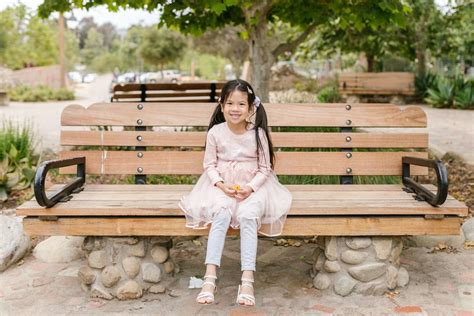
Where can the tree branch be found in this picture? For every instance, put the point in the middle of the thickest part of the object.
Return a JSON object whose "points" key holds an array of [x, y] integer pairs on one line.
{"points": [[290, 46]]}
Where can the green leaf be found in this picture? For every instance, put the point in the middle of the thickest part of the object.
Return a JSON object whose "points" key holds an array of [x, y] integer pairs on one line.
{"points": [[231, 2], [28, 173], [218, 8], [13, 152]]}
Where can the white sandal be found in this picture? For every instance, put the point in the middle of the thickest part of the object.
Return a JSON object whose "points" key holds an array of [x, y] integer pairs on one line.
{"points": [[207, 295], [249, 297]]}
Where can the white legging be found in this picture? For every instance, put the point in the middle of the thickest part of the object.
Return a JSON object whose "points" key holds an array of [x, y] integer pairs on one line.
{"points": [[248, 240]]}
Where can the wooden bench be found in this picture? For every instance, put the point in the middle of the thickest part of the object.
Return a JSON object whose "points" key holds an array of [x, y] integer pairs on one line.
{"points": [[381, 212], [325, 210], [395, 84], [196, 91]]}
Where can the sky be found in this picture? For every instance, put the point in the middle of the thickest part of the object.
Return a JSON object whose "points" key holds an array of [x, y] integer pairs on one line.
{"points": [[121, 19]]}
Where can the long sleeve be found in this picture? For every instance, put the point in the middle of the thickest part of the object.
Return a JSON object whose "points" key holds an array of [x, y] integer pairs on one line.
{"points": [[264, 164], [210, 159]]}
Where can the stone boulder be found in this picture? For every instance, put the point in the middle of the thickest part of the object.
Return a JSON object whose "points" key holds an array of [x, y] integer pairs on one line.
{"points": [[14, 244], [59, 249]]}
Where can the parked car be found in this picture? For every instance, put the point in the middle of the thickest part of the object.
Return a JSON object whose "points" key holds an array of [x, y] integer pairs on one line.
{"points": [[172, 75], [129, 77], [75, 76], [88, 78]]}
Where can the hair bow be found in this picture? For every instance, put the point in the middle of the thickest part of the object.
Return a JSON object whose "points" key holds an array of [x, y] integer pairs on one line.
{"points": [[257, 102]]}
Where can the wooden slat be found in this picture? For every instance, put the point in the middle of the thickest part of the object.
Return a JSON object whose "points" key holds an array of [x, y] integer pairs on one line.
{"points": [[170, 94], [377, 83], [170, 100], [288, 163], [158, 200], [292, 187], [196, 85], [294, 226], [198, 114], [290, 140], [300, 207]]}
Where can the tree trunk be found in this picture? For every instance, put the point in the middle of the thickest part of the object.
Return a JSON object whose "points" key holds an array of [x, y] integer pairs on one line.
{"points": [[261, 60], [421, 61], [370, 62]]}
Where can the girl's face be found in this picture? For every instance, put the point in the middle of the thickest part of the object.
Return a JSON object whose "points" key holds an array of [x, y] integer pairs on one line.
{"points": [[236, 108]]}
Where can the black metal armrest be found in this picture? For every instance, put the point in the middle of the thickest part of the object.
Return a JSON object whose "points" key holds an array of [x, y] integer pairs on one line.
{"points": [[421, 193], [68, 189]]}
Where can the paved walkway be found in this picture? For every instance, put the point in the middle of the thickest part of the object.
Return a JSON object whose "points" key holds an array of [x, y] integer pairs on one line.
{"points": [[440, 284]]}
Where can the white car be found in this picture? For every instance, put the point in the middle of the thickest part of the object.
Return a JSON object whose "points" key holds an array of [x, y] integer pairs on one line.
{"points": [[172, 75], [89, 78], [75, 76], [129, 77]]}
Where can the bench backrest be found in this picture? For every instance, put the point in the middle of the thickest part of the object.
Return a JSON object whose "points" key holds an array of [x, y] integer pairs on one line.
{"points": [[175, 151], [196, 91], [390, 83]]}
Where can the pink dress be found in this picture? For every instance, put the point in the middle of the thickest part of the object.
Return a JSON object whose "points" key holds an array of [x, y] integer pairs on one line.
{"points": [[232, 158]]}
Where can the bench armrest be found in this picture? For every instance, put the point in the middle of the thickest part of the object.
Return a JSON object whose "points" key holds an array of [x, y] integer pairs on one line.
{"points": [[420, 191], [68, 189]]}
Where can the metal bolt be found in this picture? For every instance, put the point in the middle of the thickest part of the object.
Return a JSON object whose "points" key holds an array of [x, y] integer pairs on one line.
{"points": [[348, 122], [140, 155], [348, 138], [139, 138], [348, 107], [348, 155], [140, 169], [349, 170], [139, 122], [140, 106]]}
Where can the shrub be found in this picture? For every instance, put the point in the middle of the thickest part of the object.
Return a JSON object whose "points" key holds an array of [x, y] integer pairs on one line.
{"points": [[39, 93], [464, 98], [329, 94], [452, 92], [423, 83], [17, 158]]}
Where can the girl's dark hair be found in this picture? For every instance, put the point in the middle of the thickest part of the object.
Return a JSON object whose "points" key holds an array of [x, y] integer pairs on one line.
{"points": [[260, 115]]}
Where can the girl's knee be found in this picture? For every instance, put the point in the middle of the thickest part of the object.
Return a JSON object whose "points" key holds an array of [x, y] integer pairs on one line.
{"points": [[248, 222], [223, 216]]}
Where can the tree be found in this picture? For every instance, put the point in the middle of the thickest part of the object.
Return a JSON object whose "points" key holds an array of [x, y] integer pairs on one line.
{"points": [[196, 16], [162, 46], [85, 24], [225, 42], [93, 46]]}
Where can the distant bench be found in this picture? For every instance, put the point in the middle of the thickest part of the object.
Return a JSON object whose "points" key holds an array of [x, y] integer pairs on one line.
{"points": [[199, 91], [397, 84]]}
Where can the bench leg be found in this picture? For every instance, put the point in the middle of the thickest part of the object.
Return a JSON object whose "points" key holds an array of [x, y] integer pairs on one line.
{"points": [[126, 267], [362, 265]]}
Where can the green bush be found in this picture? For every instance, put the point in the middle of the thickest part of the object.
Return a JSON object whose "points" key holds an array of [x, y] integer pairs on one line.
{"points": [[17, 158], [63, 94], [329, 94], [423, 83], [464, 99], [39, 93], [442, 95], [452, 92]]}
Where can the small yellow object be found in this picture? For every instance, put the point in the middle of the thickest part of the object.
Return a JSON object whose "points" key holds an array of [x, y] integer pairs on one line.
{"points": [[236, 187]]}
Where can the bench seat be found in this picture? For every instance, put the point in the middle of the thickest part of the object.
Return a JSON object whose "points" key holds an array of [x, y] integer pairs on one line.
{"points": [[325, 210]]}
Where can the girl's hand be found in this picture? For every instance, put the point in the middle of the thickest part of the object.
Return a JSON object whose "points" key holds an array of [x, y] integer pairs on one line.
{"points": [[244, 193], [226, 188]]}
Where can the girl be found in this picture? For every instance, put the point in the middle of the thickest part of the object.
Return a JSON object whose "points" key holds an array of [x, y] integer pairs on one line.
{"points": [[238, 187]]}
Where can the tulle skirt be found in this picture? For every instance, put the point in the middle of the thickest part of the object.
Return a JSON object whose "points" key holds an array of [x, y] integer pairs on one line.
{"points": [[269, 204]]}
